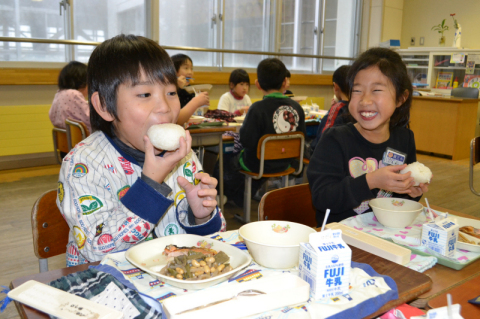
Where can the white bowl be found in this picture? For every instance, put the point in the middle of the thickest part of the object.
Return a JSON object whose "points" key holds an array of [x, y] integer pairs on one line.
{"points": [[275, 244], [395, 212], [239, 119], [195, 119], [148, 257], [299, 98]]}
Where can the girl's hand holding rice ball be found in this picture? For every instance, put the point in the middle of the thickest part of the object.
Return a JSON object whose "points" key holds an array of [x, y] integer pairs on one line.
{"points": [[175, 143], [409, 179]]}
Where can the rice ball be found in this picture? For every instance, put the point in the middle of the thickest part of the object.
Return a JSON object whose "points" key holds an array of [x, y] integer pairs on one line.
{"points": [[420, 173], [166, 136]]}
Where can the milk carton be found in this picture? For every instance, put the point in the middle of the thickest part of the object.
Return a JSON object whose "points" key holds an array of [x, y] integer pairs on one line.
{"points": [[441, 236], [325, 264]]}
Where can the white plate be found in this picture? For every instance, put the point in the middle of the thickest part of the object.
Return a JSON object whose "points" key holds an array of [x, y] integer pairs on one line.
{"points": [[148, 257], [462, 221], [198, 88], [299, 98]]}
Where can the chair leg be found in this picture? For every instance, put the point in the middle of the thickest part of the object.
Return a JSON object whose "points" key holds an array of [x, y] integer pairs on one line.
{"points": [[247, 200], [285, 180], [43, 264]]}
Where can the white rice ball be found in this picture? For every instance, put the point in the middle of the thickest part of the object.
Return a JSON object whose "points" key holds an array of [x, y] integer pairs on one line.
{"points": [[166, 136], [420, 173]]}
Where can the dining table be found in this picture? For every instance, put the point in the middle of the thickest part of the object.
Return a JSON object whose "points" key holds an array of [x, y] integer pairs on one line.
{"points": [[410, 283], [414, 287]]}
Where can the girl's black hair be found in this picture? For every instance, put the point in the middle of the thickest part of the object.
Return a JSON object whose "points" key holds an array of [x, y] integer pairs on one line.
{"points": [[73, 76], [179, 60], [120, 60], [239, 76], [391, 65]]}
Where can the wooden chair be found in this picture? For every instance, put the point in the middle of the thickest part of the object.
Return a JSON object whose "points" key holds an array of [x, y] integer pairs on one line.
{"points": [[474, 159], [273, 147], [293, 204], [76, 132], [60, 142], [49, 229]]}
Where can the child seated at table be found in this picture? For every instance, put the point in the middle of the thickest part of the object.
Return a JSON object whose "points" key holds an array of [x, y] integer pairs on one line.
{"points": [[189, 102], [338, 113], [115, 189], [236, 100], [274, 114], [350, 165], [70, 99]]}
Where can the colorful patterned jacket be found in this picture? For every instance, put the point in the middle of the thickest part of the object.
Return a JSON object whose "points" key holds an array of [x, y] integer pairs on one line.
{"points": [[109, 207]]}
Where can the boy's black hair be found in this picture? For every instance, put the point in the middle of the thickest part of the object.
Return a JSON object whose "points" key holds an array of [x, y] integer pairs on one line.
{"points": [[73, 76], [289, 75], [340, 78], [239, 76], [271, 73], [179, 60], [120, 60], [391, 65]]}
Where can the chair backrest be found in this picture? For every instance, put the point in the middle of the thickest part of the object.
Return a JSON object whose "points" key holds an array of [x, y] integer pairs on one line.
{"points": [[293, 204], [76, 132], [60, 142], [469, 93], [474, 159], [281, 146], [49, 229]]}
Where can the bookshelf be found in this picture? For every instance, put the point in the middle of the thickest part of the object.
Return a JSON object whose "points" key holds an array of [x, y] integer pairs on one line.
{"points": [[437, 68]]}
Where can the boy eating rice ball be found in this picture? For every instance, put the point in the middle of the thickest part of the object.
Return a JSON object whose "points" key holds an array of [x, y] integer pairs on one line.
{"points": [[115, 188]]}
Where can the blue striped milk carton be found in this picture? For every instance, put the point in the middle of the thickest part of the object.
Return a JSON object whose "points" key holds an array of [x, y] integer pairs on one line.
{"points": [[325, 264], [441, 236]]}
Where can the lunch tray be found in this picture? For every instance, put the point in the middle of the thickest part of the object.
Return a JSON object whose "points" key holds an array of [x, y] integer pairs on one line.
{"points": [[409, 237]]}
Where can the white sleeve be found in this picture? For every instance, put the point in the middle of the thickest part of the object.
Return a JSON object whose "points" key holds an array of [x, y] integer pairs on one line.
{"points": [[224, 103]]}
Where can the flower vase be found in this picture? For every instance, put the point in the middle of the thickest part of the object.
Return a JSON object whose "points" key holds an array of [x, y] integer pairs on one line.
{"points": [[457, 39], [441, 41]]}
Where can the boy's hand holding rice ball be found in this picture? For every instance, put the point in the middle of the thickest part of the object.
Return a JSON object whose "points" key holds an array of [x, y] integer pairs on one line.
{"points": [[175, 143]]}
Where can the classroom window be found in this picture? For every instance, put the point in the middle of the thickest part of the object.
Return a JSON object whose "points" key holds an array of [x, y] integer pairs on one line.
{"points": [[93, 20]]}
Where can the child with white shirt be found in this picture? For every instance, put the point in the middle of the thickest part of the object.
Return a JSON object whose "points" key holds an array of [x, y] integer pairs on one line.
{"points": [[236, 100]]}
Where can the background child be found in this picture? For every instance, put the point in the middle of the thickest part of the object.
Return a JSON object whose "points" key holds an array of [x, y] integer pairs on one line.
{"points": [[237, 100], [287, 92], [346, 169], [115, 188], [71, 97], [337, 113], [275, 114], [189, 102]]}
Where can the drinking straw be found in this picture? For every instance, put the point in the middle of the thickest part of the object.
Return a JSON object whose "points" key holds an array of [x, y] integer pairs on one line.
{"points": [[325, 219], [428, 208], [449, 306]]}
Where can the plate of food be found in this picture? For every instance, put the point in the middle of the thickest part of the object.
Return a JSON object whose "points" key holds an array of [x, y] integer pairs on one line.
{"points": [[198, 88], [468, 234], [188, 261]]}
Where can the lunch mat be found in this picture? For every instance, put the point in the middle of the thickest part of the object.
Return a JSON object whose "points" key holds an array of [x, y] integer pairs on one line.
{"points": [[410, 237], [363, 297]]}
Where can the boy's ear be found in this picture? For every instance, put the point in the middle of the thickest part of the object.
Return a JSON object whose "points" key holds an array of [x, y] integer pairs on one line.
{"points": [[95, 99], [403, 98], [258, 85], [231, 86]]}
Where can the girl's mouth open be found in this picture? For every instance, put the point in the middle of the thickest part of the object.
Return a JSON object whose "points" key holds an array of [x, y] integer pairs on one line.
{"points": [[368, 115]]}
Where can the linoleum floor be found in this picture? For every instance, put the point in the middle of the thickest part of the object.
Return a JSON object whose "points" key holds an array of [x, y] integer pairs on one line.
{"points": [[20, 188]]}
